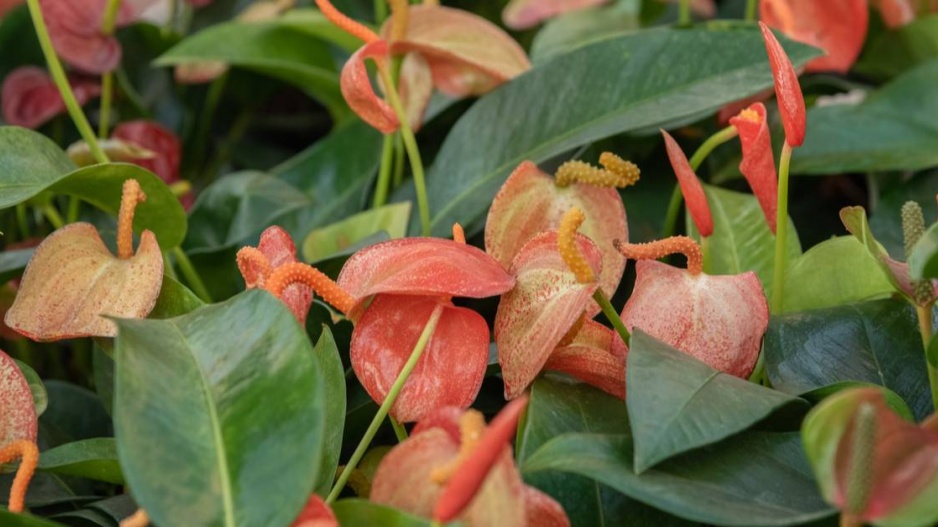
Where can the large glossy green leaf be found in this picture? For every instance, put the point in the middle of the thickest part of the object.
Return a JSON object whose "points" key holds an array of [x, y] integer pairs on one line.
{"points": [[580, 27], [219, 414], [678, 403], [29, 163], [38, 389], [237, 207], [753, 479], [630, 82], [355, 512], [340, 236], [923, 262], [333, 388], [832, 273], [92, 458], [558, 407], [281, 48], [893, 52], [892, 129], [9, 519], [876, 342], [741, 239]]}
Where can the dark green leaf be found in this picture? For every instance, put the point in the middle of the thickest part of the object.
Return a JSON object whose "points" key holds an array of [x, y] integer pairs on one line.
{"points": [[175, 299], [756, 478], [282, 49], [237, 207], [894, 52], [219, 414], [931, 353], [892, 129], [92, 458], [832, 273], [625, 83], [29, 163], [875, 342], [338, 237], [103, 364], [9, 519], [353, 513], [923, 262], [741, 239], [886, 219], [333, 388], [74, 413], [40, 396], [678, 403]]}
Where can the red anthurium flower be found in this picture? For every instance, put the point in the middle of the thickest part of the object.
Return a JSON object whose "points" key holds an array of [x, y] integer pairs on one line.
{"points": [[717, 319], [275, 249], [510, 223], [31, 99], [463, 53], [758, 165], [525, 14], [596, 356], [836, 26], [787, 89], [165, 146], [454, 467], [315, 514], [690, 186], [76, 34], [895, 13], [406, 281], [19, 427], [875, 466]]}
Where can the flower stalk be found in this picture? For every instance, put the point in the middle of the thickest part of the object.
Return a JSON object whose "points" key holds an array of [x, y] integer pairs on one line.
{"points": [[781, 233]]}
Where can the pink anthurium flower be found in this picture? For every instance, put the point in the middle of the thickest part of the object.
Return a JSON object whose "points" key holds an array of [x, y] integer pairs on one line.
{"points": [[690, 186], [19, 428], [758, 164], [873, 465], [316, 513], [30, 97], [453, 467], [463, 53], [787, 89], [510, 223], [389, 290], [525, 14], [167, 152], [73, 280], [75, 28], [836, 26], [256, 264], [717, 319]]}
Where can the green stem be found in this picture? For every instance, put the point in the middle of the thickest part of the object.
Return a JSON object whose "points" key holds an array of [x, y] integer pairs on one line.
{"points": [[383, 185], [927, 332], [751, 10], [611, 314], [61, 82], [110, 16], [683, 13], [23, 219], [385, 407], [413, 153], [203, 128], [399, 430], [74, 207], [381, 11], [398, 160], [104, 120], [168, 267], [53, 216], [781, 233], [704, 150], [192, 277]]}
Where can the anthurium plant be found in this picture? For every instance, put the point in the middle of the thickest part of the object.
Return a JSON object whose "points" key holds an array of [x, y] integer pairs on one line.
{"points": [[424, 263]]}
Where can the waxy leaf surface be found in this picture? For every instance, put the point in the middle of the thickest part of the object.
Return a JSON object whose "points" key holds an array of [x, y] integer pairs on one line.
{"points": [[92, 458], [678, 403], [73, 282], [206, 407], [327, 356]]}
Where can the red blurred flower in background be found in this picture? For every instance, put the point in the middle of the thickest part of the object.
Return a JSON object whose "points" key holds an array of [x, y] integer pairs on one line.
{"points": [[30, 98], [836, 26]]}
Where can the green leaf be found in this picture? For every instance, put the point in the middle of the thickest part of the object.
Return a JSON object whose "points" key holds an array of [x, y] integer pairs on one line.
{"points": [[923, 262], [278, 48], [327, 356], [92, 458], [678, 403], [855, 220], [175, 299], [753, 479], [832, 273], [931, 354], [886, 220], [875, 342], [741, 239], [103, 364], [12, 263], [580, 27], [219, 414], [892, 129], [626, 83], [74, 413], [29, 163], [338, 237], [557, 407], [355, 512], [894, 52], [40, 396], [237, 207], [10, 519]]}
